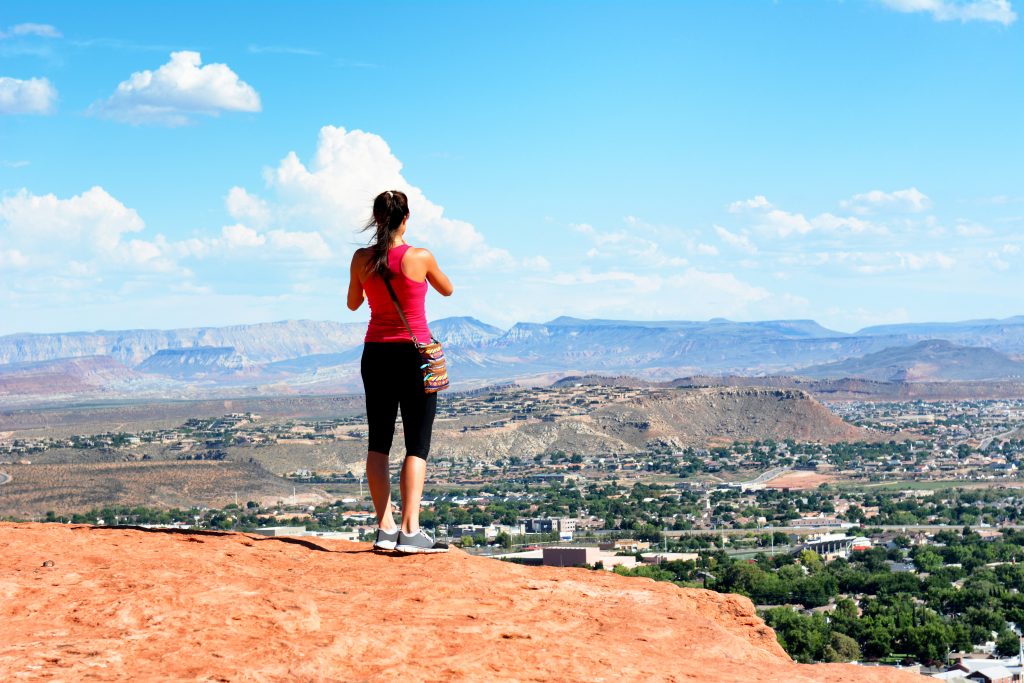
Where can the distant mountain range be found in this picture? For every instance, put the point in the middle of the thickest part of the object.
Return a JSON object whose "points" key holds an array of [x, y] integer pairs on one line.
{"points": [[303, 356], [931, 360]]}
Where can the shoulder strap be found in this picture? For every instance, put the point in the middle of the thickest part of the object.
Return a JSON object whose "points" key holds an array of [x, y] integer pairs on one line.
{"points": [[398, 307]]}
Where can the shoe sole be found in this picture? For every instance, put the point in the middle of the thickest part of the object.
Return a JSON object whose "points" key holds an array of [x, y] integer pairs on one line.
{"points": [[385, 545], [416, 550]]}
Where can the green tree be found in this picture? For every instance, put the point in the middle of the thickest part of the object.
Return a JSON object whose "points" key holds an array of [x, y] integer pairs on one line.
{"points": [[811, 560], [841, 648], [1007, 644]]}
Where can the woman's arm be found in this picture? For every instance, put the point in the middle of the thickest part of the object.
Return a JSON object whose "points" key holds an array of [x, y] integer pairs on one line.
{"points": [[436, 277], [355, 282]]}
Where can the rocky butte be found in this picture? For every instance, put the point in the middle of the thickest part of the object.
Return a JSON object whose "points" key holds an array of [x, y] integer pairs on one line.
{"points": [[82, 603]]}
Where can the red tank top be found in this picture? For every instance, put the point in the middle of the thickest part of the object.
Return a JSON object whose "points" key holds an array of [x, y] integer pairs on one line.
{"points": [[385, 325]]}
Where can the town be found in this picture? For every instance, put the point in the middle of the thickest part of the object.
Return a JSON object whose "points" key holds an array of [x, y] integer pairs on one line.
{"points": [[836, 543]]}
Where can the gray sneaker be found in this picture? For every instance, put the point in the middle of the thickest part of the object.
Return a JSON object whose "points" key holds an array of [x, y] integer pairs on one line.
{"points": [[386, 540], [419, 542]]}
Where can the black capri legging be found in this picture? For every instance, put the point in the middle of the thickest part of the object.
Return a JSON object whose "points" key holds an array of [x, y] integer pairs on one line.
{"points": [[392, 379]]}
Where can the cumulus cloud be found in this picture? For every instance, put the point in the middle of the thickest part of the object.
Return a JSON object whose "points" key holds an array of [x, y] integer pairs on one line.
{"points": [[334, 193], [910, 200], [39, 30], [82, 235], [177, 91], [29, 96], [93, 218], [999, 11], [243, 206]]}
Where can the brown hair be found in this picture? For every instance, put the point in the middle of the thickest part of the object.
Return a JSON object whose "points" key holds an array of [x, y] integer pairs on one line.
{"points": [[390, 208]]}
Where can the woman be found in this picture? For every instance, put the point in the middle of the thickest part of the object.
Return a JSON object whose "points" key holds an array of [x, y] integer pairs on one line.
{"points": [[391, 367]]}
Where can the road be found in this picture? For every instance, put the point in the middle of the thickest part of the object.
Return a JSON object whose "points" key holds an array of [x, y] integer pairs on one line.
{"points": [[766, 477], [989, 439]]}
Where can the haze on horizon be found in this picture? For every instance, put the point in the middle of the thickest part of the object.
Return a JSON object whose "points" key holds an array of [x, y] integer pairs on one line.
{"points": [[854, 163]]}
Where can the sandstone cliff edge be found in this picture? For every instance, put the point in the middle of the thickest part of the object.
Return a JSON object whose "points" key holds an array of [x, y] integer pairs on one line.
{"points": [[117, 604]]}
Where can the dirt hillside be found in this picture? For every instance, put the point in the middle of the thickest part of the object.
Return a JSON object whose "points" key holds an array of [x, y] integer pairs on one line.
{"points": [[104, 604], [672, 417]]}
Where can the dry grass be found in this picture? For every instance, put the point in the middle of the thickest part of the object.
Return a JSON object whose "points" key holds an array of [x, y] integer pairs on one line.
{"points": [[67, 488], [800, 480]]}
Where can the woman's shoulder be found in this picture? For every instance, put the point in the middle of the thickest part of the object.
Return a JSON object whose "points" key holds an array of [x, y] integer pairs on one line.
{"points": [[362, 255], [418, 253]]}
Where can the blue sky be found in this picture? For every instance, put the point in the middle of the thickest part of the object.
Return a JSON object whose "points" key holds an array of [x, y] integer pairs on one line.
{"points": [[168, 165]]}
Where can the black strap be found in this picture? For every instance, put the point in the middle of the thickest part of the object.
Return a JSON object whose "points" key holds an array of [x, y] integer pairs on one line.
{"points": [[398, 307]]}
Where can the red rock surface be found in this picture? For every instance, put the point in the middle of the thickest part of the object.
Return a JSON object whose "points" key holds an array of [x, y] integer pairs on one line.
{"points": [[135, 605]]}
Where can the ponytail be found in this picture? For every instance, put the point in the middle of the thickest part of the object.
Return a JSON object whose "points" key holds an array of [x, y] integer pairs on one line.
{"points": [[390, 208]]}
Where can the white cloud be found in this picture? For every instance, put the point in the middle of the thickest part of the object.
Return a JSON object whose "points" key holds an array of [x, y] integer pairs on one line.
{"points": [[86, 235], [335, 192], [238, 235], [910, 200], [309, 245], [1010, 249], [93, 219], [758, 202], [999, 11], [654, 295], [176, 91], [641, 283], [707, 249], [996, 261], [243, 206], [30, 96], [872, 262], [723, 286], [966, 229], [536, 263], [241, 241], [737, 241], [769, 219], [39, 30], [633, 244], [12, 258]]}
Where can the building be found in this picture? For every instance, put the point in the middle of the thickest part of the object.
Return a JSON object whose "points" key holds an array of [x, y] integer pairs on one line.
{"points": [[548, 525], [818, 521], [489, 532], [625, 545], [580, 556], [831, 546], [571, 557], [658, 558]]}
